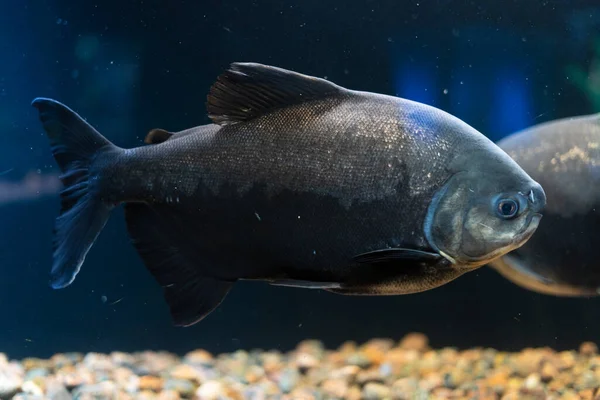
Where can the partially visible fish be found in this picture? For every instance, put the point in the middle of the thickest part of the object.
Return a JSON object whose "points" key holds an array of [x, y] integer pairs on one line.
{"points": [[299, 182], [561, 259]]}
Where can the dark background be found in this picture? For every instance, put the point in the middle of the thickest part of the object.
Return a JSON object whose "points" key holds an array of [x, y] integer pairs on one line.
{"points": [[130, 66]]}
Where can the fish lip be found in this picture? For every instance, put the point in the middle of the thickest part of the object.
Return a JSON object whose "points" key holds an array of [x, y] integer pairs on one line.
{"points": [[520, 237], [533, 221], [535, 215]]}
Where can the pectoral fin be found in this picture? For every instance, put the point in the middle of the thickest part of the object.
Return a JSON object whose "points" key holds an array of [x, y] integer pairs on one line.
{"points": [[398, 256]]}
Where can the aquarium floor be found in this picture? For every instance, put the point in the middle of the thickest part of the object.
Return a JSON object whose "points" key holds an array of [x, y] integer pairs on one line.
{"points": [[378, 369]]}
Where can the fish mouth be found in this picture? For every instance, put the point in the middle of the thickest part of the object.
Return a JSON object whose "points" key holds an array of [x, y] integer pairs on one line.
{"points": [[533, 221], [519, 240]]}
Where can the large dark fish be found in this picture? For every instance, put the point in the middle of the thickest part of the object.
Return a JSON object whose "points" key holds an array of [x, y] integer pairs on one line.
{"points": [[299, 182], [561, 259]]}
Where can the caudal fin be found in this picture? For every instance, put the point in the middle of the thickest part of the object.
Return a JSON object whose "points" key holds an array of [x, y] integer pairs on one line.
{"points": [[75, 144]]}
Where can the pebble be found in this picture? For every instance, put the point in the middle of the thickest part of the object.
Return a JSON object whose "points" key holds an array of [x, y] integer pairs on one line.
{"points": [[533, 381], [148, 382], [181, 386], [36, 373], [11, 378], [106, 389], [354, 393], [549, 372], [336, 388], [153, 363], [375, 391], [98, 362], [122, 359], [271, 362], [288, 379], [359, 359], [305, 361], [347, 372], [199, 357], [55, 390], [32, 388], [372, 374], [313, 347], [210, 390], [414, 341], [254, 374], [376, 370], [168, 395], [588, 348], [404, 387]]}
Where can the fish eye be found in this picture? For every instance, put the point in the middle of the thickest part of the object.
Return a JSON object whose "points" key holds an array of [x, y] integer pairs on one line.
{"points": [[507, 208]]}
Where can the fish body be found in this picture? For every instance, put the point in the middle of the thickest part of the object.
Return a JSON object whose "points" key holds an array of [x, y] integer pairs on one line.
{"points": [[564, 157], [298, 182]]}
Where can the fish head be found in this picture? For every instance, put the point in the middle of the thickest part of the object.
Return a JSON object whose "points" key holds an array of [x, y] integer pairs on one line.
{"points": [[484, 211]]}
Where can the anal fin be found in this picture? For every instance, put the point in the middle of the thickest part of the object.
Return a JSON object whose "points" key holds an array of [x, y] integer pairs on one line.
{"points": [[305, 284], [191, 296]]}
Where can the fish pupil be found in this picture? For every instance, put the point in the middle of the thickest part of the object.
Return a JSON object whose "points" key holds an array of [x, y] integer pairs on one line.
{"points": [[507, 208]]}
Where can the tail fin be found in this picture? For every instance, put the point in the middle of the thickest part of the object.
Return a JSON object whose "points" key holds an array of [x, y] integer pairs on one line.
{"points": [[75, 144]]}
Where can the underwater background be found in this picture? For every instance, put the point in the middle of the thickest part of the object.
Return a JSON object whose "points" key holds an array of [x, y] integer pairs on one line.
{"points": [[131, 66]]}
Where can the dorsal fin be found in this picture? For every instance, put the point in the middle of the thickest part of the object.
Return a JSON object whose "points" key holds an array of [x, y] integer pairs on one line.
{"points": [[248, 90], [157, 136]]}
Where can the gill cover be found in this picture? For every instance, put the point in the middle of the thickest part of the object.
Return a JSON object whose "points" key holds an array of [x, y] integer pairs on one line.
{"points": [[440, 220]]}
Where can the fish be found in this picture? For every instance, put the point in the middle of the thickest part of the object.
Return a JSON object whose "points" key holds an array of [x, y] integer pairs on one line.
{"points": [[560, 259], [297, 182]]}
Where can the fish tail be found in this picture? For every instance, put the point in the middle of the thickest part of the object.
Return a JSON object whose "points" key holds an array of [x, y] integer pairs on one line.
{"points": [[75, 145]]}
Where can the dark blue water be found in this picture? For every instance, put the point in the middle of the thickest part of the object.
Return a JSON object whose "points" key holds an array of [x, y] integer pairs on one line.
{"points": [[130, 66]]}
